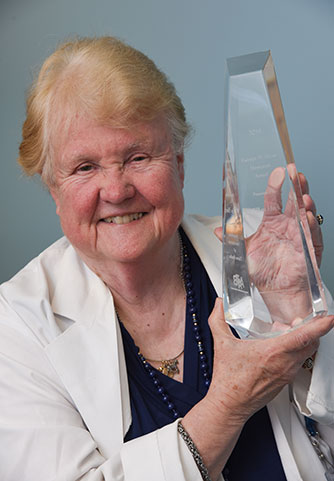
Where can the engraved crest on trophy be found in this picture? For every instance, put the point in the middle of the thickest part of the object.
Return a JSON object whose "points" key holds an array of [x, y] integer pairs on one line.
{"points": [[268, 253]]}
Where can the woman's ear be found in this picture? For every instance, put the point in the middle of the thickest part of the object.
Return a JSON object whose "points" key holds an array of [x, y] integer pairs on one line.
{"points": [[180, 166], [55, 195]]}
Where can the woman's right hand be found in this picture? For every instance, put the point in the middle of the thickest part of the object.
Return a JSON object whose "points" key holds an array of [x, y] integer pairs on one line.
{"points": [[247, 374]]}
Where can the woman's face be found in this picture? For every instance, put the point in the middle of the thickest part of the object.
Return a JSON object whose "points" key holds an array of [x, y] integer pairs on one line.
{"points": [[118, 192]]}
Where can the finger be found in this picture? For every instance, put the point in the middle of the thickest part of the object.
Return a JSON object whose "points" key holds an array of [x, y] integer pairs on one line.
{"points": [[219, 233], [217, 322], [303, 183], [309, 351], [316, 235], [309, 204], [314, 227], [272, 196], [306, 335]]}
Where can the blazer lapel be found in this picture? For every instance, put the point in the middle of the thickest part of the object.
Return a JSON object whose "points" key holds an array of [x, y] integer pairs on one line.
{"points": [[89, 357]]}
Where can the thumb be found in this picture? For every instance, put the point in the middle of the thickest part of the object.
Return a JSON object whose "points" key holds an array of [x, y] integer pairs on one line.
{"points": [[272, 196], [219, 233], [307, 333], [217, 322]]}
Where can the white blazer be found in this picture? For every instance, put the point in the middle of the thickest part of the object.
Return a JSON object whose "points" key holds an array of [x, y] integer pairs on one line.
{"points": [[64, 400]]}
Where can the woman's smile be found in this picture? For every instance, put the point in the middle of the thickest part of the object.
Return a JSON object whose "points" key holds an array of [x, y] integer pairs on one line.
{"points": [[123, 219]]}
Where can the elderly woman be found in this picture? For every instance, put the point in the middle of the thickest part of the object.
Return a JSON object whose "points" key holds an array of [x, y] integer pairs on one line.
{"points": [[108, 367]]}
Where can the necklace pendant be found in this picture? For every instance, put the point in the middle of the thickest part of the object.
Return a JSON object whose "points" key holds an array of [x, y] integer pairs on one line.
{"points": [[169, 368]]}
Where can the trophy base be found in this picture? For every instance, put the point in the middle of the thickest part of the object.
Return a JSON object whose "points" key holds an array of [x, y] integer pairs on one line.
{"points": [[256, 328]]}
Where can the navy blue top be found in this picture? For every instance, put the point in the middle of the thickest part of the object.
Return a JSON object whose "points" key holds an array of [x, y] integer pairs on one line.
{"points": [[255, 456]]}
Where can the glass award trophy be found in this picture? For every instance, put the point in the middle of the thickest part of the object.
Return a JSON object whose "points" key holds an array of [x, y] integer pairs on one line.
{"points": [[270, 274]]}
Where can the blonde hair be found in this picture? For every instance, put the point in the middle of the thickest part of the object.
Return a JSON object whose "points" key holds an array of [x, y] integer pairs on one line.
{"points": [[103, 78]]}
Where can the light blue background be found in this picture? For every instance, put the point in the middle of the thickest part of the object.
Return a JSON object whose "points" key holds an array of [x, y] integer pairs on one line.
{"points": [[189, 40]]}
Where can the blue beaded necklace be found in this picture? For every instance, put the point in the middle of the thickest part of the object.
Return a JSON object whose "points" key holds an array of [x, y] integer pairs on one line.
{"points": [[191, 301]]}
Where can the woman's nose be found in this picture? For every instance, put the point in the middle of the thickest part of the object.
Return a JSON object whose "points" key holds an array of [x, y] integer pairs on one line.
{"points": [[116, 187]]}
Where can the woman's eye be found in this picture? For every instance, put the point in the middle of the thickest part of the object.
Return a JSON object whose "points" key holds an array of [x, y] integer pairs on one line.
{"points": [[139, 158], [85, 168]]}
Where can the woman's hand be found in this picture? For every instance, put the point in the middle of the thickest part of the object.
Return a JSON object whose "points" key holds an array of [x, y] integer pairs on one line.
{"points": [[246, 376], [276, 260], [275, 255], [311, 217]]}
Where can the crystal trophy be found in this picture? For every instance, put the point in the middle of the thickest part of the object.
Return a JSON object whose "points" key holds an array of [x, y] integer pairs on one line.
{"points": [[270, 274]]}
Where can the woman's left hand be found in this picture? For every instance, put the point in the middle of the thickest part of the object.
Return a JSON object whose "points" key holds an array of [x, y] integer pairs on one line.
{"points": [[276, 261], [311, 217]]}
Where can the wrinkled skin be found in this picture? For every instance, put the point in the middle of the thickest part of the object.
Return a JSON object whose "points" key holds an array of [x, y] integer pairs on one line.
{"points": [[275, 255], [276, 261]]}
